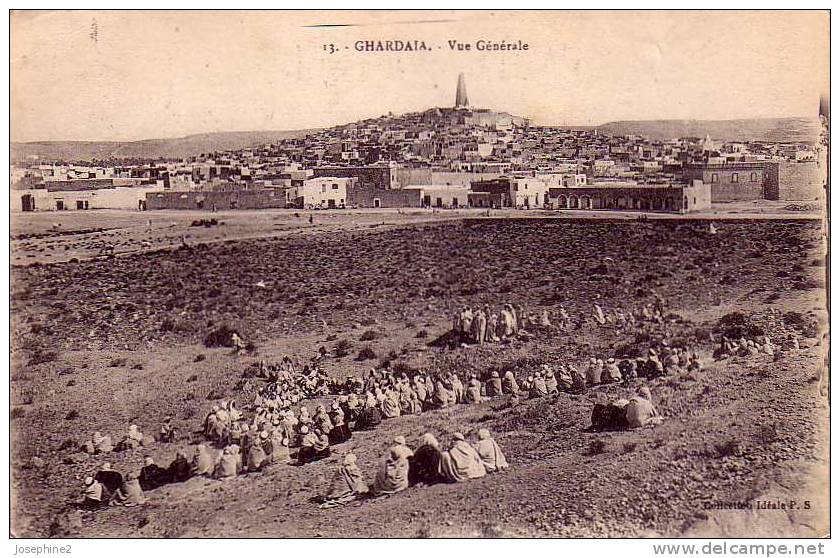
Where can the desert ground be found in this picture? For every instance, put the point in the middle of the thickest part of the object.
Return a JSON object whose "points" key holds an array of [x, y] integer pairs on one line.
{"points": [[99, 342]]}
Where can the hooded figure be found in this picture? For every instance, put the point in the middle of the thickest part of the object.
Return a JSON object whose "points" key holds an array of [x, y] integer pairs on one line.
{"points": [[457, 388], [443, 397], [279, 447], [640, 411], [466, 321], [102, 444], [494, 385], [538, 387], [129, 494], [322, 420], [391, 405], [347, 484], [420, 389], [479, 327], [490, 452], [229, 464], [256, 456], [611, 372], [473, 394], [92, 494], [424, 465], [203, 462], [594, 372], [109, 479], [461, 462], [509, 384], [179, 470], [393, 474], [370, 415], [152, 476], [551, 385], [491, 332], [340, 432]]}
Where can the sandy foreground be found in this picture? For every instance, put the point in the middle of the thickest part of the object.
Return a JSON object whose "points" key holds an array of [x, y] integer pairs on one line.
{"points": [[100, 342]]}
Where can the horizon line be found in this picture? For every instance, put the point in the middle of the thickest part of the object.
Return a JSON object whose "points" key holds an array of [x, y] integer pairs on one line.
{"points": [[319, 128]]}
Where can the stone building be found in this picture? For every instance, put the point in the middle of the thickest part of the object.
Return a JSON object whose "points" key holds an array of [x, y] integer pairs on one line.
{"points": [[794, 181], [675, 198], [730, 181]]}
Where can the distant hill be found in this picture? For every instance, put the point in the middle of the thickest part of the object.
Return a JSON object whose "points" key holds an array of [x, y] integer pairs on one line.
{"points": [[186, 146], [753, 129]]}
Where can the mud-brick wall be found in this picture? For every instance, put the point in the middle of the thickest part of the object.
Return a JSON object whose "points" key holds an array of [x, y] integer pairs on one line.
{"points": [[724, 191], [363, 195], [260, 199], [794, 181]]}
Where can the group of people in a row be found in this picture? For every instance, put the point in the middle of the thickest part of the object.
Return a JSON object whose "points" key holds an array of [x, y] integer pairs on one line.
{"points": [[746, 347], [482, 325], [619, 414], [426, 465], [102, 443], [288, 383]]}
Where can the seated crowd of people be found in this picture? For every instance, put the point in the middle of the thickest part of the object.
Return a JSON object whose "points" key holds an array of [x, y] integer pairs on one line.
{"points": [[428, 464], [746, 347], [102, 443], [278, 422]]}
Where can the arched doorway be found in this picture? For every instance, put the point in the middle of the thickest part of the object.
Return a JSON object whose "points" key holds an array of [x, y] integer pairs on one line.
{"points": [[573, 202], [562, 202]]}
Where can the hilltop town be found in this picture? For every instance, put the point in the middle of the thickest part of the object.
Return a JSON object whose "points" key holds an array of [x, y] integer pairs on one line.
{"points": [[455, 157]]}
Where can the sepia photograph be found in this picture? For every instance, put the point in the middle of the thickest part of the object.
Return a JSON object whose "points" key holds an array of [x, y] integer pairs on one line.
{"points": [[392, 274]]}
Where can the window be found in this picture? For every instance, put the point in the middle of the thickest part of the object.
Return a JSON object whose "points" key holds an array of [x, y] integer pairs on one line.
{"points": [[323, 188], [734, 177], [753, 176], [335, 186], [714, 178]]}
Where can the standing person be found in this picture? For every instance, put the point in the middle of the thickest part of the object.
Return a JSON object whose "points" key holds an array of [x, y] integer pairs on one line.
{"points": [[457, 388], [491, 333]]}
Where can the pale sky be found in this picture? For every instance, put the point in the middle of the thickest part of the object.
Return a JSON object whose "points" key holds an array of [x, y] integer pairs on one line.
{"points": [[167, 74]]}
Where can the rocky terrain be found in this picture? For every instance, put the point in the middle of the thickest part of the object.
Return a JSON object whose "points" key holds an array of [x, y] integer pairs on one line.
{"points": [[97, 344]]}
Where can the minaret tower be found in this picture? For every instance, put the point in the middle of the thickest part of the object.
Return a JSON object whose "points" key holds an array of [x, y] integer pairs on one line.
{"points": [[461, 100]]}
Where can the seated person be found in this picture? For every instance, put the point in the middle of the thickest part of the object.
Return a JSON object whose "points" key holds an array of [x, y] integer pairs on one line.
{"points": [[151, 475], [179, 470], [168, 432], [424, 465], [229, 464], [461, 462], [92, 494], [129, 494], [640, 411], [393, 474], [490, 452], [110, 480], [347, 484]]}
